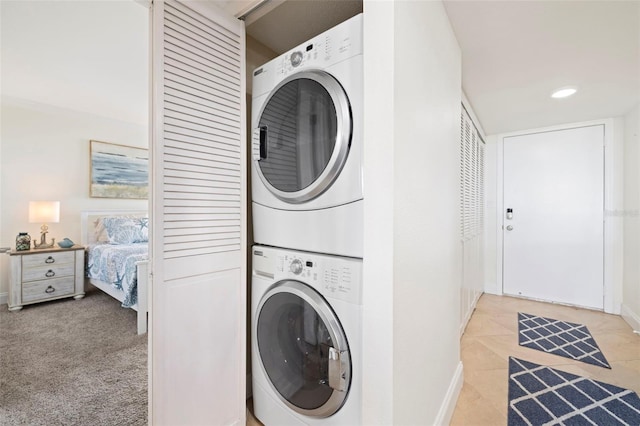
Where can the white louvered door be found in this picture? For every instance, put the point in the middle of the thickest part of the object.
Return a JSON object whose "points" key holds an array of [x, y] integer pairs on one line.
{"points": [[471, 215], [198, 238]]}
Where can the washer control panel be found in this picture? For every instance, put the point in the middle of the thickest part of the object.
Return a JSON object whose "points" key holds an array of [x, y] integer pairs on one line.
{"points": [[332, 276]]}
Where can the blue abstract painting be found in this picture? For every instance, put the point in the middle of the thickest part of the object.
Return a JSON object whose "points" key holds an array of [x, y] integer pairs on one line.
{"points": [[119, 171]]}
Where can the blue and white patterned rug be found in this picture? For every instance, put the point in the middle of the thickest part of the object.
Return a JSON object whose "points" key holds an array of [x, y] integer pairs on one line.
{"points": [[562, 338], [540, 395]]}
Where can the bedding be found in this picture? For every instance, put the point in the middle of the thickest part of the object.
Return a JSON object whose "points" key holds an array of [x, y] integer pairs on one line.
{"points": [[116, 264], [126, 230]]}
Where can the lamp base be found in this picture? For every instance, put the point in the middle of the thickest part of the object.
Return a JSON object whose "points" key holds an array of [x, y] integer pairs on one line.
{"points": [[43, 242], [43, 246]]}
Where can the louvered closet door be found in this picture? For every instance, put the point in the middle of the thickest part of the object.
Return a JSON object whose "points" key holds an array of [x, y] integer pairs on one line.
{"points": [[471, 214], [198, 240]]}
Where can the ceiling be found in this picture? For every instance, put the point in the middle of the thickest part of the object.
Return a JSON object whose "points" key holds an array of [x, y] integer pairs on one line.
{"points": [[288, 24], [515, 53], [83, 56], [93, 56]]}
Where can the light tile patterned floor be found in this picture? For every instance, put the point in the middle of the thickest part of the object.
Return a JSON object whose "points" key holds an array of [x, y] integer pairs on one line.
{"points": [[492, 336]]}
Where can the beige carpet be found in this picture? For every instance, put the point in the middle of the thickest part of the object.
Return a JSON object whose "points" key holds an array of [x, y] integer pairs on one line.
{"points": [[72, 362]]}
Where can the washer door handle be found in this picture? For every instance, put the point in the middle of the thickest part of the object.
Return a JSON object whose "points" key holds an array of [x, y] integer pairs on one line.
{"points": [[337, 374]]}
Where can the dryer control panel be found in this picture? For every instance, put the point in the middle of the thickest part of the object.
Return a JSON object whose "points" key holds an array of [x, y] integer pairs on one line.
{"points": [[332, 276], [331, 47], [321, 52]]}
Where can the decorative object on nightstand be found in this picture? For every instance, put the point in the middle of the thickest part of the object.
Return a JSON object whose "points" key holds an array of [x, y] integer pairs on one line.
{"points": [[44, 212], [23, 241], [41, 275], [66, 243]]}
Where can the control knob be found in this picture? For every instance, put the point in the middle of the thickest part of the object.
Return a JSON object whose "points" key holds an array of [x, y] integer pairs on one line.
{"points": [[296, 266], [296, 59]]}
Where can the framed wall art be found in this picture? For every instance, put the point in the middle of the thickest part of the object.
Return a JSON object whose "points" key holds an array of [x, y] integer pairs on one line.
{"points": [[119, 171]]}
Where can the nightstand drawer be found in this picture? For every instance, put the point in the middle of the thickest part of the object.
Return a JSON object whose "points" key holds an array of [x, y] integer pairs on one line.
{"points": [[47, 289], [44, 272], [47, 259]]}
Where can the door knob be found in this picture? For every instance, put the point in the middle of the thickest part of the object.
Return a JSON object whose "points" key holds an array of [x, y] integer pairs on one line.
{"points": [[509, 228]]}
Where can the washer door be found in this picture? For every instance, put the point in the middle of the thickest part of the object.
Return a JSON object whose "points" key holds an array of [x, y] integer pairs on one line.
{"points": [[303, 136], [303, 349]]}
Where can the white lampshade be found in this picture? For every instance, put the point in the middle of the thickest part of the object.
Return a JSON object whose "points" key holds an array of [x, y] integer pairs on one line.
{"points": [[44, 211]]}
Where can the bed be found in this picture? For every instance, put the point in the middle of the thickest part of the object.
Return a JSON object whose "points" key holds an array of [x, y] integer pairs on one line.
{"points": [[116, 244]]}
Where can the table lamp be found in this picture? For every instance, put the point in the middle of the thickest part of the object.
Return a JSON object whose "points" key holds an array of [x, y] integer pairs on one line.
{"points": [[44, 212]]}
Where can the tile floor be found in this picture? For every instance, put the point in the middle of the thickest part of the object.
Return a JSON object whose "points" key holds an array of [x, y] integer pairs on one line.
{"points": [[492, 336]]}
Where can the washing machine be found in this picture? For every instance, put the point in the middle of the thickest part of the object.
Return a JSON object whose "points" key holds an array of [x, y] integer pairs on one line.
{"points": [[306, 338], [306, 180]]}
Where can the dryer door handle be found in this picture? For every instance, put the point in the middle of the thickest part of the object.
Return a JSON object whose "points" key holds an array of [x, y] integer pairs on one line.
{"points": [[337, 369], [259, 143], [263, 142]]}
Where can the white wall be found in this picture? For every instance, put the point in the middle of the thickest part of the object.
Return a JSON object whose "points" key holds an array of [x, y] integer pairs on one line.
{"points": [[89, 56], [379, 210], [65, 67], [412, 259], [45, 156], [631, 276]]}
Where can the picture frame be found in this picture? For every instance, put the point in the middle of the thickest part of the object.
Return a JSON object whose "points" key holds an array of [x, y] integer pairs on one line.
{"points": [[118, 171]]}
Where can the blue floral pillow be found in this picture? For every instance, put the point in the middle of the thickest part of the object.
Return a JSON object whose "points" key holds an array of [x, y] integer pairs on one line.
{"points": [[127, 230]]}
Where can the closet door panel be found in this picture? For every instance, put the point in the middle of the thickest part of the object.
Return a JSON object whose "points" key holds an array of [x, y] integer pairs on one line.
{"points": [[197, 333]]}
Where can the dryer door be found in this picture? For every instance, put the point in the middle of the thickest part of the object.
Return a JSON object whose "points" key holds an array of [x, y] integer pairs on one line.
{"points": [[303, 135], [303, 349]]}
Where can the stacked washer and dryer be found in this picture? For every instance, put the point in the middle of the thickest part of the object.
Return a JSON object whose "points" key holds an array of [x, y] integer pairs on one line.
{"points": [[307, 222]]}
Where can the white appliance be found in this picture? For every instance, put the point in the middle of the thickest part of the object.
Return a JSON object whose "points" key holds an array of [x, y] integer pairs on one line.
{"points": [[307, 145], [306, 338]]}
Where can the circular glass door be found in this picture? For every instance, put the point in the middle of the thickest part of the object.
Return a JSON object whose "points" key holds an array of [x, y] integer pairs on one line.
{"points": [[303, 349], [304, 135]]}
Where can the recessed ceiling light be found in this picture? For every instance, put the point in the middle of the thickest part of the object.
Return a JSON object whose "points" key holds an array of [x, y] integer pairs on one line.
{"points": [[563, 92]]}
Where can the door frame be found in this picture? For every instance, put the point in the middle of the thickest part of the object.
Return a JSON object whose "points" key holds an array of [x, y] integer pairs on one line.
{"points": [[613, 205]]}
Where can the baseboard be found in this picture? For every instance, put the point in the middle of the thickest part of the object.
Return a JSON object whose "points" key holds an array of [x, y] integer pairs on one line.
{"points": [[463, 326], [632, 318], [451, 398], [492, 289], [4, 298]]}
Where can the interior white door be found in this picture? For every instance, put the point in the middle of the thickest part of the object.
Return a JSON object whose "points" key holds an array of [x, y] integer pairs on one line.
{"points": [[198, 312], [554, 233]]}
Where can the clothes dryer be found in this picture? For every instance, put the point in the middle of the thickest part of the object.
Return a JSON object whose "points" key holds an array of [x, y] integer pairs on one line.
{"points": [[306, 346], [307, 145]]}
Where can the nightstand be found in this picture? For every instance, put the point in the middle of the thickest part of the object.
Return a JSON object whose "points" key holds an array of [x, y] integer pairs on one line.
{"points": [[45, 274]]}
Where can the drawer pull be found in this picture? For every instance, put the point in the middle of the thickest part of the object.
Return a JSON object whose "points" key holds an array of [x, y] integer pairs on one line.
{"points": [[49, 260], [49, 273], [50, 290]]}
